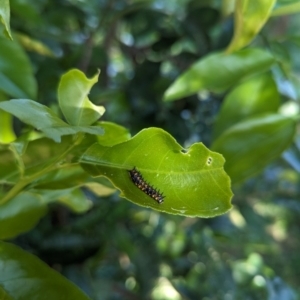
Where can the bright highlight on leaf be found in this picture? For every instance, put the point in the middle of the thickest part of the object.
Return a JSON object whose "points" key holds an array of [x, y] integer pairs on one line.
{"points": [[193, 181]]}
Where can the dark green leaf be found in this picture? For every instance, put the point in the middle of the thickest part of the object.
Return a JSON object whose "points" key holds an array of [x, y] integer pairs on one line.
{"points": [[193, 181], [44, 119], [23, 277], [20, 214], [16, 74], [218, 71], [73, 91], [254, 96], [253, 143]]}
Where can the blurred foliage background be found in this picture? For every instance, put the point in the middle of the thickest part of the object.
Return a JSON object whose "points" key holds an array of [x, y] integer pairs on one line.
{"points": [[118, 250]]}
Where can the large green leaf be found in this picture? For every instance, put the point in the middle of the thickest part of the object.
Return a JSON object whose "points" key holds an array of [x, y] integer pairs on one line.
{"points": [[5, 17], [254, 96], [250, 16], [218, 71], [253, 143], [23, 277], [20, 214], [73, 91], [193, 181], [44, 119], [16, 74]]}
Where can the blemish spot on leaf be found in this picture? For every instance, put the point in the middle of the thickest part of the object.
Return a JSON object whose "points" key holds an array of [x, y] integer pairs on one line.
{"points": [[209, 161]]}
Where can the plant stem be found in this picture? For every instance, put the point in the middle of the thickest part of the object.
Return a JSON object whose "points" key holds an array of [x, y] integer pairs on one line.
{"points": [[13, 192]]}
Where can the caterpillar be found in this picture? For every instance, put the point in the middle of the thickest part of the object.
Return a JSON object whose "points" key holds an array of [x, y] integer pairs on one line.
{"points": [[138, 180]]}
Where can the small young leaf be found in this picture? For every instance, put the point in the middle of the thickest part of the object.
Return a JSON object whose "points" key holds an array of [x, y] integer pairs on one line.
{"points": [[250, 17], [257, 95], [113, 134], [43, 118], [192, 181], [5, 17], [20, 214], [24, 276], [253, 143], [218, 71], [73, 91]]}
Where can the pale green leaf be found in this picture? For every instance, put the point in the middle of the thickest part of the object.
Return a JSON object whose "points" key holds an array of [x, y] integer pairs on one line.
{"points": [[73, 91], [250, 16], [31, 44]]}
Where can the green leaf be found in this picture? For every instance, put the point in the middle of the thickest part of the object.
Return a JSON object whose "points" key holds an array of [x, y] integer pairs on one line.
{"points": [[43, 118], [8, 166], [73, 91], [73, 198], [253, 143], [7, 133], [24, 276], [16, 74], [101, 190], [288, 9], [113, 134], [5, 17], [193, 181], [20, 214], [218, 71], [250, 16], [31, 44], [76, 201], [257, 95]]}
